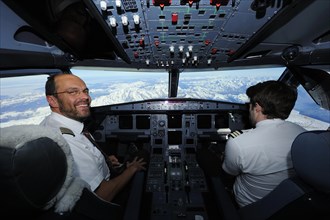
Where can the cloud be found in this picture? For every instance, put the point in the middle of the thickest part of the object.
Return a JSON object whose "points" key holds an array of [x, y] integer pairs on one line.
{"points": [[307, 122], [24, 117]]}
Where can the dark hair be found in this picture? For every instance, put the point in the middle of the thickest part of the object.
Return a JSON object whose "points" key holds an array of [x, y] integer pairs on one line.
{"points": [[276, 98], [50, 87]]}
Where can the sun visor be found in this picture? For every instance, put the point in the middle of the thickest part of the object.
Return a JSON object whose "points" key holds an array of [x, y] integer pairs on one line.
{"points": [[316, 82]]}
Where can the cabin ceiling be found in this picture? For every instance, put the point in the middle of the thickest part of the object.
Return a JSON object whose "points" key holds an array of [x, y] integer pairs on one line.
{"points": [[164, 34]]}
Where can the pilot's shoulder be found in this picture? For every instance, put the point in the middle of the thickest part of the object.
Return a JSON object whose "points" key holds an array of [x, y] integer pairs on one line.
{"points": [[66, 131], [237, 133]]}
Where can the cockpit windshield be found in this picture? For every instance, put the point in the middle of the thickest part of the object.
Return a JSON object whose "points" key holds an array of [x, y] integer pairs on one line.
{"points": [[118, 87], [23, 100]]}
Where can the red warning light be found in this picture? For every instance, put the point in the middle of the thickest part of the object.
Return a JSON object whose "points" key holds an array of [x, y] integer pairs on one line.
{"points": [[214, 50], [207, 42], [175, 18], [218, 3], [161, 3], [141, 42], [230, 52]]}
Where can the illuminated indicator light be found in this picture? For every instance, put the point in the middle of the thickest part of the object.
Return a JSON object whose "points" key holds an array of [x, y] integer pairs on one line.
{"points": [[103, 5], [214, 50], [118, 3], [124, 20], [184, 60], [136, 19], [136, 54], [190, 2], [207, 42], [162, 3], [195, 58], [218, 3], [175, 18], [141, 42], [209, 61], [147, 62], [112, 21], [157, 43], [187, 54], [231, 52]]}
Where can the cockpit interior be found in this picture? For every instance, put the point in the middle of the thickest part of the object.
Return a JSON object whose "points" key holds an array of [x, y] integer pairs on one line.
{"points": [[175, 36]]}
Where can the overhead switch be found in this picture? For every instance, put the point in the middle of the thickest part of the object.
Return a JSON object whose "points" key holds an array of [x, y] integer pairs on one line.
{"points": [[181, 49], [124, 20], [118, 3], [172, 49], [136, 19], [190, 48], [103, 5], [112, 21]]}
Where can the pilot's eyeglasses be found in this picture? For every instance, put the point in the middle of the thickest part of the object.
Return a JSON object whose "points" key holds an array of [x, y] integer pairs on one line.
{"points": [[74, 92]]}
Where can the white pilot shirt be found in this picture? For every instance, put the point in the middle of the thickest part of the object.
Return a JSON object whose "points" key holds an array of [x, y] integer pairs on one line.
{"points": [[89, 161], [260, 158]]}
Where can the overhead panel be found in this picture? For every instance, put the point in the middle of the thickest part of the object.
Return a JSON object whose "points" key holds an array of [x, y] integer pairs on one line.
{"points": [[185, 33], [167, 33]]}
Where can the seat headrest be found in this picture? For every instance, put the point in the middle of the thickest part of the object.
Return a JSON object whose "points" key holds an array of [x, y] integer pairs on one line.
{"points": [[311, 158], [36, 170], [32, 174]]}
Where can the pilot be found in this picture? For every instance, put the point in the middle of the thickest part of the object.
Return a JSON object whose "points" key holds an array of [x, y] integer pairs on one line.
{"points": [[69, 101], [260, 158], [256, 160]]}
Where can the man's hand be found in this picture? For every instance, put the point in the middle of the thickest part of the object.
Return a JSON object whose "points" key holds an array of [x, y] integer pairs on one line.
{"points": [[114, 161], [137, 164]]}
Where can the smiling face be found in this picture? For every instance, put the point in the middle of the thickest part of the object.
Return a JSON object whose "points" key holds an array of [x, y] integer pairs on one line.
{"points": [[71, 99]]}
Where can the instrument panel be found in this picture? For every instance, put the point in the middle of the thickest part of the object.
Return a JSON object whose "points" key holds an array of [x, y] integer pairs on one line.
{"points": [[173, 131]]}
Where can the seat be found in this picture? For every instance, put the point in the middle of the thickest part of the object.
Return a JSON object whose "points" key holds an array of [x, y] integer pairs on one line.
{"points": [[36, 179], [304, 196]]}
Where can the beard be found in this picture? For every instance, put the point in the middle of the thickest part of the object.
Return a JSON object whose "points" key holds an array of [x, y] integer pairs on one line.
{"points": [[75, 112]]}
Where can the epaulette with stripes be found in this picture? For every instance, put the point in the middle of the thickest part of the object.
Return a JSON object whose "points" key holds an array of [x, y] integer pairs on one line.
{"points": [[66, 131], [235, 133]]}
